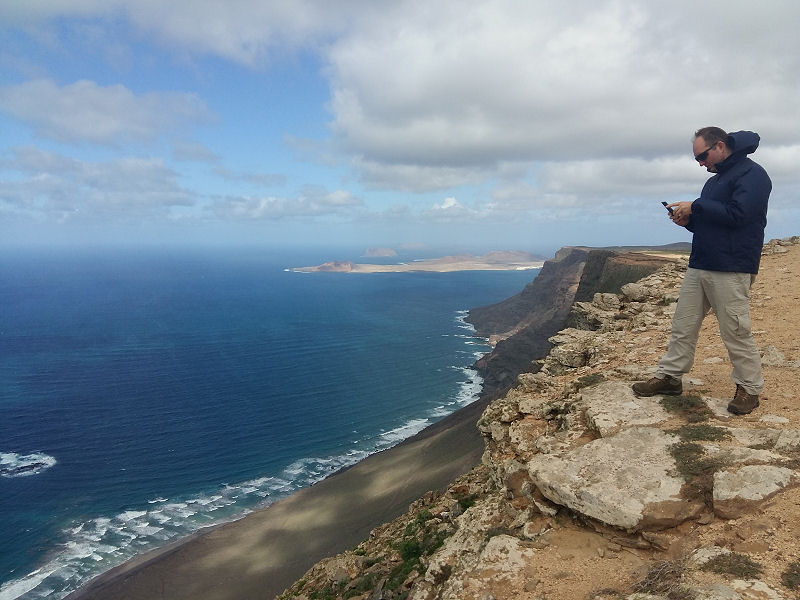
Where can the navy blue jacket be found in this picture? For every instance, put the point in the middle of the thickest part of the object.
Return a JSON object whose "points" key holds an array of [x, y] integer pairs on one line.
{"points": [[729, 217]]}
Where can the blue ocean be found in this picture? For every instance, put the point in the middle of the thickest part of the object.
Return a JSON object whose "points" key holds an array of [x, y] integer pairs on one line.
{"points": [[145, 394]]}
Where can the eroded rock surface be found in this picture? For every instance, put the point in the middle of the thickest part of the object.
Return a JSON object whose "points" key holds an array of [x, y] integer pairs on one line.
{"points": [[625, 480], [583, 487]]}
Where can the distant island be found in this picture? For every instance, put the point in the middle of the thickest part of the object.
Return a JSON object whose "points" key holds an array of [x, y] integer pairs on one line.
{"points": [[379, 252], [492, 261]]}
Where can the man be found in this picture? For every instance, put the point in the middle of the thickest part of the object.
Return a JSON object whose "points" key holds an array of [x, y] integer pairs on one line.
{"points": [[727, 221]]}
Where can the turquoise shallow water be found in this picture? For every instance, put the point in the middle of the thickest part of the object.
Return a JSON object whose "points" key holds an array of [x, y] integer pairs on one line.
{"points": [[146, 395]]}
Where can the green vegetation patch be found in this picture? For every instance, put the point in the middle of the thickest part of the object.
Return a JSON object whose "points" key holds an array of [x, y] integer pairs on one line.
{"points": [[690, 406], [466, 501], [692, 461], [365, 584], [733, 563], [421, 538], [329, 592], [791, 576], [705, 433], [696, 468]]}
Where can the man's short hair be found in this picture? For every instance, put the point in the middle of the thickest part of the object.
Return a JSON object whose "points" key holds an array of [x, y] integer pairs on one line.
{"points": [[712, 135]]}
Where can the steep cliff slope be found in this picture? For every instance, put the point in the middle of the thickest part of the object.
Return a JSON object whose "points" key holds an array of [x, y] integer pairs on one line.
{"points": [[520, 326], [587, 492]]}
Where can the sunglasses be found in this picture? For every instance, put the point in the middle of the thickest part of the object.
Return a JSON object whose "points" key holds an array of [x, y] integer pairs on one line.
{"points": [[704, 154]]}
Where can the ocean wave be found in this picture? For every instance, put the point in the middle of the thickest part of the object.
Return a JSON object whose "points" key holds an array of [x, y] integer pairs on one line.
{"points": [[24, 465], [92, 546], [461, 322], [17, 587], [405, 431]]}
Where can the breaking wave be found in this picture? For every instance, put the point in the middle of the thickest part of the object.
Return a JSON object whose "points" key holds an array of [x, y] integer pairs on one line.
{"points": [[24, 465]]}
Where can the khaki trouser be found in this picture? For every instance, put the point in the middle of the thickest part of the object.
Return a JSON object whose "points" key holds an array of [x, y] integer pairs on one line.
{"points": [[728, 295]]}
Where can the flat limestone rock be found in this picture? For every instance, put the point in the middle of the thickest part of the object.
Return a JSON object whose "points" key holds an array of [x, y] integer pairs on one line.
{"points": [[612, 405], [740, 456], [625, 480], [788, 440], [718, 406], [717, 591], [752, 437], [737, 491], [774, 419], [754, 588]]}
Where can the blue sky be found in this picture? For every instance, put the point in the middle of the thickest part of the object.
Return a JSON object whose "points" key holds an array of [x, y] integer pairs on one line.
{"points": [[487, 125]]}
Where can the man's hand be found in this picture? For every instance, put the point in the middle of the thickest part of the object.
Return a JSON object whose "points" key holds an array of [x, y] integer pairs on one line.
{"points": [[680, 212]]}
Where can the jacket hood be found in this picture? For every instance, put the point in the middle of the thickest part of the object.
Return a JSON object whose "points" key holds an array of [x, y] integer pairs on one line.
{"points": [[743, 142]]}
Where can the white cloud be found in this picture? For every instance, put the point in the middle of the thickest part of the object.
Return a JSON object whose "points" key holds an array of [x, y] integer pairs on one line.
{"points": [[462, 87], [244, 31], [52, 186], [551, 108], [415, 177], [624, 176], [86, 112], [186, 150], [312, 202], [253, 178]]}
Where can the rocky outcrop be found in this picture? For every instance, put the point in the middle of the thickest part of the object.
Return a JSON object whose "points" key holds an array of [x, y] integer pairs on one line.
{"points": [[608, 271], [627, 480], [521, 326], [579, 471], [741, 490]]}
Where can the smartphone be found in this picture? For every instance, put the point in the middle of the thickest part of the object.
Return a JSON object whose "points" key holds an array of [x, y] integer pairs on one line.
{"points": [[667, 207]]}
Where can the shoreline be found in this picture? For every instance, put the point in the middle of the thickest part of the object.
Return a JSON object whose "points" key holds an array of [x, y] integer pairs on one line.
{"points": [[265, 551], [493, 261], [415, 268]]}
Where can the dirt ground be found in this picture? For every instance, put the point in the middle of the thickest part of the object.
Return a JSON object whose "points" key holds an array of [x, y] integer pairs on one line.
{"points": [[579, 564]]}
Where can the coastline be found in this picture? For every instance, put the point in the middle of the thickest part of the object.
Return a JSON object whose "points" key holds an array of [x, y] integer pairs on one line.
{"points": [[265, 551], [493, 261]]}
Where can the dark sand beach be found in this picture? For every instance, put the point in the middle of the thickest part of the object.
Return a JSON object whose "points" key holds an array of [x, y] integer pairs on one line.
{"points": [[263, 553]]}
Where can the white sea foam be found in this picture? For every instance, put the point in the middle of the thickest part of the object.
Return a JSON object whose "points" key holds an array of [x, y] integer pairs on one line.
{"points": [[398, 434], [93, 546], [130, 514], [17, 587], [24, 465]]}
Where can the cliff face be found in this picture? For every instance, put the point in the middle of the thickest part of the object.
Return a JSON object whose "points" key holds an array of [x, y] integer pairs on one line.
{"points": [[520, 326], [588, 492]]}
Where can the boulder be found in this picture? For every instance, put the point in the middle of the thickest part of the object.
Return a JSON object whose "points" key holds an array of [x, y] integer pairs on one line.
{"points": [[788, 441], [716, 591], [635, 292], [772, 357], [573, 348], [754, 588], [737, 491], [626, 480], [612, 405], [606, 301], [755, 437]]}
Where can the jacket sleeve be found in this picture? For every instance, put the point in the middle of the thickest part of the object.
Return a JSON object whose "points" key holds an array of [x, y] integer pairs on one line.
{"points": [[689, 225]]}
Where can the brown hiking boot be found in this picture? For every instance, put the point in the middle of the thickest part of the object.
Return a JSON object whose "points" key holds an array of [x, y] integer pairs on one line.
{"points": [[742, 403], [668, 386]]}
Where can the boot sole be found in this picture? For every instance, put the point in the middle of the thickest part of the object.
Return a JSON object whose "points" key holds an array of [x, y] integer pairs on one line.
{"points": [[739, 413]]}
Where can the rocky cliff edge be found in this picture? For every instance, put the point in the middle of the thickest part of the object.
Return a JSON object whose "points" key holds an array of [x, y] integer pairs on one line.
{"points": [[586, 491]]}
